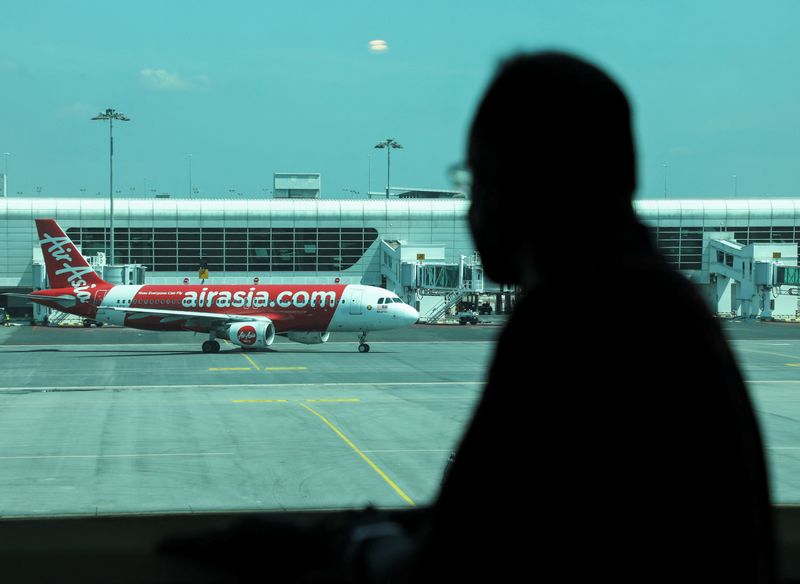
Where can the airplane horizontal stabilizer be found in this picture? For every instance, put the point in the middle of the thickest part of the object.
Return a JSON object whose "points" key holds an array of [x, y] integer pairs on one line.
{"points": [[64, 300]]}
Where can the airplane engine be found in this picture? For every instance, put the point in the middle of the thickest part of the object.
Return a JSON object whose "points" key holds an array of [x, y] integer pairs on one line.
{"points": [[256, 334], [308, 338]]}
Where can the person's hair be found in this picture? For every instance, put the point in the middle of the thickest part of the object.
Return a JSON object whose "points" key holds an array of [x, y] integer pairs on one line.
{"points": [[553, 164], [552, 126]]}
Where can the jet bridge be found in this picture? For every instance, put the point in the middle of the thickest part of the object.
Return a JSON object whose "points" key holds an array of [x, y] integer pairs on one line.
{"points": [[751, 280], [447, 284], [420, 274]]}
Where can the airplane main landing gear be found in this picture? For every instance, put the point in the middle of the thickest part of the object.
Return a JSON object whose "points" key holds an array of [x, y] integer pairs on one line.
{"points": [[211, 347], [363, 347]]}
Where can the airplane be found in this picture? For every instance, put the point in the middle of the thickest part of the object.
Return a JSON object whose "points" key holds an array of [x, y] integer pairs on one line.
{"points": [[249, 316]]}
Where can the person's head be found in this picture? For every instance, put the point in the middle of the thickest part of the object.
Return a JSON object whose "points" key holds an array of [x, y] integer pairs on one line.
{"points": [[552, 134]]}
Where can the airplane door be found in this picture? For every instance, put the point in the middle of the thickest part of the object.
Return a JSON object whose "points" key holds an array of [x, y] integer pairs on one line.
{"points": [[355, 301], [99, 296]]}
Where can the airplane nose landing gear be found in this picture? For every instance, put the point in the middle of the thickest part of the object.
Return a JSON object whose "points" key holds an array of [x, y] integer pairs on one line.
{"points": [[363, 347]]}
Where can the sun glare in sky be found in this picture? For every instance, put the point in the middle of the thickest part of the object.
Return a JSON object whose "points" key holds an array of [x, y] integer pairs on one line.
{"points": [[378, 46]]}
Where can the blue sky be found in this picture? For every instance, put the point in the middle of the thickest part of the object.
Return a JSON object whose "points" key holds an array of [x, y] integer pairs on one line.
{"points": [[251, 88]]}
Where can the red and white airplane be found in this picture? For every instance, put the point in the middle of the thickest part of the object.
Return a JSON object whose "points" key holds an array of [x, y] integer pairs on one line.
{"points": [[247, 315]]}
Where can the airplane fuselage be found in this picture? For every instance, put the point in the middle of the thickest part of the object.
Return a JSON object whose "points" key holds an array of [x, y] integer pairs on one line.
{"points": [[322, 308], [247, 315]]}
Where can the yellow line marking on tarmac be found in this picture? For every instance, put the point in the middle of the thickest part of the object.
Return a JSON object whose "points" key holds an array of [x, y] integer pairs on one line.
{"points": [[229, 368], [793, 364], [260, 401], [285, 368], [251, 361], [366, 459]]}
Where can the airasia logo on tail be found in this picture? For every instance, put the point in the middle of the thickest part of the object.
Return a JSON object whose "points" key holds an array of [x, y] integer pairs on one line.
{"points": [[246, 335], [59, 251]]}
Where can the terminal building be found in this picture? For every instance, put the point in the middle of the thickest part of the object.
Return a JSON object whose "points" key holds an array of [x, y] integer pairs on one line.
{"points": [[419, 247], [416, 247]]}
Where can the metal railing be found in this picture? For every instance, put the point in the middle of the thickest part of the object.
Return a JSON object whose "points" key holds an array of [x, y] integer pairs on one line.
{"points": [[450, 300], [58, 318]]}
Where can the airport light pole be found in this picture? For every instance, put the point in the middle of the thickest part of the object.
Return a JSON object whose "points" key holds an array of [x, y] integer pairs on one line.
{"points": [[389, 143], [111, 115], [5, 174]]}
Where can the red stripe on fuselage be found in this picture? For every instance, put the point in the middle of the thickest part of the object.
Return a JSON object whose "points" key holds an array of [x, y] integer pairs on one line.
{"points": [[297, 308]]}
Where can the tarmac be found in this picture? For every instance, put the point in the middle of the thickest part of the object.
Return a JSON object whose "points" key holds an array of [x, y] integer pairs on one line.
{"points": [[769, 357], [114, 421]]}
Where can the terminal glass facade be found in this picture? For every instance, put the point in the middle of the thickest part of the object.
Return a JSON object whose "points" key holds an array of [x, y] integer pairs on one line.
{"points": [[683, 246], [232, 249], [291, 239], [287, 241], [165, 249]]}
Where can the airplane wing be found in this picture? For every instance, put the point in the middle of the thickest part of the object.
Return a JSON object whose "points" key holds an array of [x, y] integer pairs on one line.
{"points": [[196, 317], [203, 319]]}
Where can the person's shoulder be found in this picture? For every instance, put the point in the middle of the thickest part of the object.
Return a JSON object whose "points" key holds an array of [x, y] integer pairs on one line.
{"points": [[632, 291], [672, 287]]}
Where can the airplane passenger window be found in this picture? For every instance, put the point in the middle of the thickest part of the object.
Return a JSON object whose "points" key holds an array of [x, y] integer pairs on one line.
{"points": [[263, 396]]}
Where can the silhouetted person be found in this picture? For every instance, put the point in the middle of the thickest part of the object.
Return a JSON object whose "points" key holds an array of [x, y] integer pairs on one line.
{"points": [[615, 440]]}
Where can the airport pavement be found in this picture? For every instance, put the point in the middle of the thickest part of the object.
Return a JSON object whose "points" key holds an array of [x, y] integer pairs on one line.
{"points": [[769, 357], [752, 330], [115, 421], [110, 420]]}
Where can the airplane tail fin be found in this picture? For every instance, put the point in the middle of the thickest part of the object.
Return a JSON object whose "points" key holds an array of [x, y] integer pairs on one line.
{"points": [[66, 267]]}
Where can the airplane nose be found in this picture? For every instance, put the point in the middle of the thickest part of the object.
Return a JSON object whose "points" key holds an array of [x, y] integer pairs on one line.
{"points": [[411, 315]]}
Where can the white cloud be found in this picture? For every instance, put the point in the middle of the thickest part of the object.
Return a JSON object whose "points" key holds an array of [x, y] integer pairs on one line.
{"points": [[163, 80]]}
